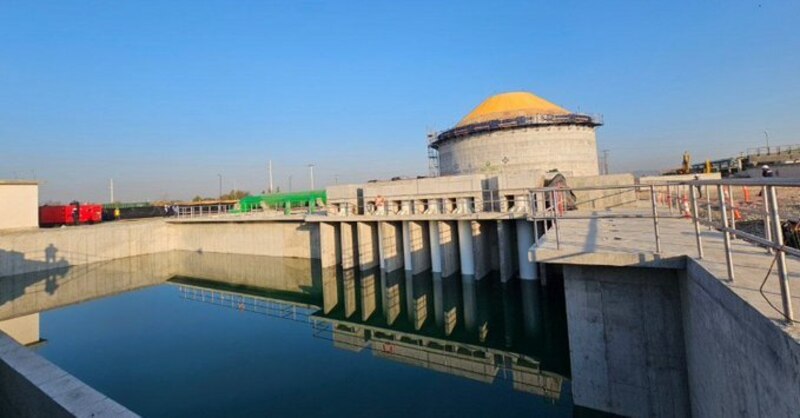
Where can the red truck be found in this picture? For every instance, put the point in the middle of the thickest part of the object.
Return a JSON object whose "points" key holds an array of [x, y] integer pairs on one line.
{"points": [[65, 214]]}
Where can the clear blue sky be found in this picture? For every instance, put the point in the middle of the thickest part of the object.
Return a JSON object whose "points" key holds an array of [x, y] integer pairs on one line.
{"points": [[164, 95]]}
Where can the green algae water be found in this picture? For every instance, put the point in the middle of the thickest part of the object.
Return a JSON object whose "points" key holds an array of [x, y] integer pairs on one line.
{"points": [[190, 334]]}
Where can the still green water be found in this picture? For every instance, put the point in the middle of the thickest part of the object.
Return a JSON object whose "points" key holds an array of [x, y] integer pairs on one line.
{"points": [[189, 334]]}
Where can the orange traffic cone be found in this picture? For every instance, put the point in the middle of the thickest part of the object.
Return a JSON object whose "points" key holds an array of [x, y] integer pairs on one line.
{"points": [[746, 195], [685, 204]]}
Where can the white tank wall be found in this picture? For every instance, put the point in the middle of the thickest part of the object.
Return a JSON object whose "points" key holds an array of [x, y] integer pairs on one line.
{"points": [[570, 149]]}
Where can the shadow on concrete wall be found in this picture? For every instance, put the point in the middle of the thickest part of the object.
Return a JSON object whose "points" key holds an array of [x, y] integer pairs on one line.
{"points": [[48, 271]]}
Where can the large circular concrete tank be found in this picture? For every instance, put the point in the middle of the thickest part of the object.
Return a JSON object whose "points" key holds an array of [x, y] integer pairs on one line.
{"points": [[519, 131]]}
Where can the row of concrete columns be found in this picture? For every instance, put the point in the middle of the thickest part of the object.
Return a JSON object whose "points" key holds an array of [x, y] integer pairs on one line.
{"points": [[475, 248]]}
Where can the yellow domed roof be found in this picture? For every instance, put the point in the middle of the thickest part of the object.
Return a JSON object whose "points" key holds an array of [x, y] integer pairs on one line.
{"points": [[511, 105]]}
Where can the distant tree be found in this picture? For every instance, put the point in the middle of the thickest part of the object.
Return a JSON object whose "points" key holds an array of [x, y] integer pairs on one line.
{"points": [[197, 199], [235, 195]]}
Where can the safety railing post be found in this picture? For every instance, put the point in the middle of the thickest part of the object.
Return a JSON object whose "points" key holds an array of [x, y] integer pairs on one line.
{"points": [[554, 207], [708, 209], [696, 220], [781, 256], [669, 199], [725, 231], [655, 218], [766, 215], [732, 208]]}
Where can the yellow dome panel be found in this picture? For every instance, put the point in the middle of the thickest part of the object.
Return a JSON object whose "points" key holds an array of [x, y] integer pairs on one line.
{"points": [[511, 105]]}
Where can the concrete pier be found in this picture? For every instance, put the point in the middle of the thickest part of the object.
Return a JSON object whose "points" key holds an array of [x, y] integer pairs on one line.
{"points": [[392, 246], [450, 248], [525, 240], [466, 251], [349, 244], [368, 252], [506, 250], [329, 244], [435, 245]]}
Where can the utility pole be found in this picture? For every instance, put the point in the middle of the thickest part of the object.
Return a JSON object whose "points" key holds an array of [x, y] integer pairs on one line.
{"points": [[766, 136], [311, 175], [290, 183], [111, 190], [270, 190], [605, 161], [335, 179], [219, 196]]}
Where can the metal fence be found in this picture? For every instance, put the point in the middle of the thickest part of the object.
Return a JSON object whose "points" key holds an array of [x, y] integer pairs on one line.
{"points": [[194, 211], [708, 203]]}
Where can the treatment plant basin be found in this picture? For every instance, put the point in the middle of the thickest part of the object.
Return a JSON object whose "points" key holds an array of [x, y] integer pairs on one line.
{"points": [[204, 334]]}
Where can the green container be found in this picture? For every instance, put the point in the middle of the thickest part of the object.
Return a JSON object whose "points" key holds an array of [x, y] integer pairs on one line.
{"points": [[282, 200]]}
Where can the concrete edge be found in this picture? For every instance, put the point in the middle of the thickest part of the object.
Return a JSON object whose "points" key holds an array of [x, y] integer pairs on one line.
{"points": [[33, 386], [611, 259]]}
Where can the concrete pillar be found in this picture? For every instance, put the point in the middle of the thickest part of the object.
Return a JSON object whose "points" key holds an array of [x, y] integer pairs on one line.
{"points": [[407, 246], [436, 249], [527, 268], [506, 250], [381, 258], [329, 244], [465, 248], [349, 246], [392, 245], [482, 249], [419, 247], [448, 242], [367, 238]]}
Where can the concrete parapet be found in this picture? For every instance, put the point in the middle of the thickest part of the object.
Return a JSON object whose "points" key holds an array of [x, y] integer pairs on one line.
{"points": [[34, 387]]}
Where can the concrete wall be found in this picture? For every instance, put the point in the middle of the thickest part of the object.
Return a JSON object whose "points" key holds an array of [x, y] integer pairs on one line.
{"points": [[274, 239], [44, 249], [31, 387], [19, 204], [739, 362], [679, 177], [603, 199], [626, 340], [570, 149]]}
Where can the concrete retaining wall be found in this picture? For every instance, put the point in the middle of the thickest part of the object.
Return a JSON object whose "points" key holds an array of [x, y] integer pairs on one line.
{"points": [[43, 249], [626, 340], [275, 239], [739, 362], [31, 386]]}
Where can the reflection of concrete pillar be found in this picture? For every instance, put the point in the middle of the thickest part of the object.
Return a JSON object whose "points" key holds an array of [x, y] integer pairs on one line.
{"points": [[470, 304], [349, 287], [527, 268], [506, 250], [348, 244], [436, 249], [328, 244], [448, 241], [465, 248], [390, 287], [369, 293], [531, 307], [438, 300], [452, 301], [330, 290], [367, 237]]}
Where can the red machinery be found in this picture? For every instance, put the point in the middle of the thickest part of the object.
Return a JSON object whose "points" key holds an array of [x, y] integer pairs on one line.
{"points": [[64, 214]]}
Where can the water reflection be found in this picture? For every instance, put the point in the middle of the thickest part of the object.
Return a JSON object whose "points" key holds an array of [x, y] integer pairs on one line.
{"points": [[480, 330]]}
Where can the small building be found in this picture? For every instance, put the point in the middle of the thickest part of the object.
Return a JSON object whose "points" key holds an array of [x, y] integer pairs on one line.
{"points": [[19, 204]]}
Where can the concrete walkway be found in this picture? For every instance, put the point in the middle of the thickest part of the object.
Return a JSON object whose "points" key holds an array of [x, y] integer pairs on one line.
{"points": [[631, 242]]}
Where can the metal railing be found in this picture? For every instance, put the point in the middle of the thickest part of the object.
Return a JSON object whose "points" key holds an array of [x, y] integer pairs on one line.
{"points": [[194, 211], [720, 211], [488, 200]]}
